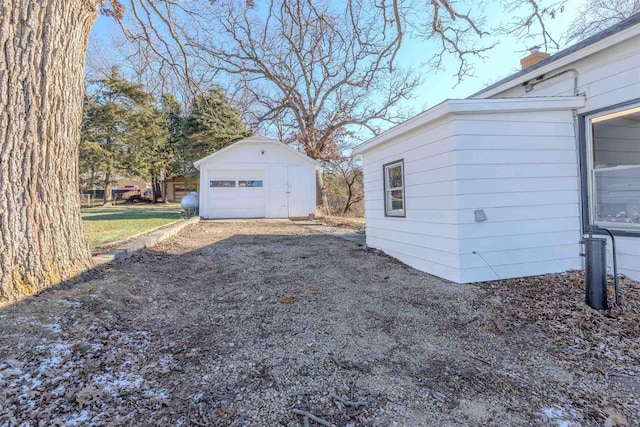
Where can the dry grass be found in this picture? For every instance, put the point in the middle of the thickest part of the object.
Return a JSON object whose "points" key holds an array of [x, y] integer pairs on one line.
{"points": [[105, 225]]}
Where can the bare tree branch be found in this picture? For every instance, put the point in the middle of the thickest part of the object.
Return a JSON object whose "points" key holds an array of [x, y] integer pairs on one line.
{"points": [[313, 70], [596, 15]]}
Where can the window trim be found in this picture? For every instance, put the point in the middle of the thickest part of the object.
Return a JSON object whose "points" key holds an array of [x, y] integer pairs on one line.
{"points": [[394, 213], [586, 167]]}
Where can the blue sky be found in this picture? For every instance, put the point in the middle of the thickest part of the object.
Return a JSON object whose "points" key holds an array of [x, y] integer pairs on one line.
{"points": [[500, 62]]}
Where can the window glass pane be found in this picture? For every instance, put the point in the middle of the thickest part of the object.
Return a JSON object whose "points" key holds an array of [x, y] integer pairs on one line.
{"points": [[616, 140], [222, 184], [257, 183], [394, 176], [394, 200], [617, 195]]}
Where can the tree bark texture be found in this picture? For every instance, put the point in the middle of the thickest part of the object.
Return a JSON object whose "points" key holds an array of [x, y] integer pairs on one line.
{"points": [[42, 49]]}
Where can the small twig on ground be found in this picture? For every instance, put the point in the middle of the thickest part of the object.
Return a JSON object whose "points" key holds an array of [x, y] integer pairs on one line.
{"points": [[346, 402], [479, 359], [313, 417]]}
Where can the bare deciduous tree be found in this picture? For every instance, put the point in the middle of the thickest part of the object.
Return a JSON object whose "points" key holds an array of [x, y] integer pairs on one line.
{"points": [[308, 68], [344, 176], [596, 15]]}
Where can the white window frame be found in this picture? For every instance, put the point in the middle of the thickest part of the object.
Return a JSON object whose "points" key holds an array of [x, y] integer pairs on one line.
{"points": [[592, 170], [401, 213]]}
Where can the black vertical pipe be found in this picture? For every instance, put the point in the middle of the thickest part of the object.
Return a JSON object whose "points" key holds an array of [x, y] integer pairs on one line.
{"points": [[596, 272]]}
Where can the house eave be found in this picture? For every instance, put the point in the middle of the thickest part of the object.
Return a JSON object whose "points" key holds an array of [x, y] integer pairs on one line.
{"points": [[472, 106]]}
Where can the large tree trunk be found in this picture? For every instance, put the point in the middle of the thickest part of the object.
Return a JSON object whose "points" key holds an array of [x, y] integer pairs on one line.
{"points": [[41, 86]]}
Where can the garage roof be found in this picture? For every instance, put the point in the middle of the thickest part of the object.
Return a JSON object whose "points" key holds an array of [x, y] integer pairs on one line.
{"points": [[252, 140]]}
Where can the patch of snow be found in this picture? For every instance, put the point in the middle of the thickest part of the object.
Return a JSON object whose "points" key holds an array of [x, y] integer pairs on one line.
{"points": [[113, 383], [81, 418], [560, 417]]}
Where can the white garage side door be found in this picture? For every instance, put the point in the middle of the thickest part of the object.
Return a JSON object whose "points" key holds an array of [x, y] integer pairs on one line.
{"points": [[236, 194]]}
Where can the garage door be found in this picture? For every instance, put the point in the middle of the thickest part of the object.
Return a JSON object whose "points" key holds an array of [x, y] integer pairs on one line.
{"points": [[236, 194]]}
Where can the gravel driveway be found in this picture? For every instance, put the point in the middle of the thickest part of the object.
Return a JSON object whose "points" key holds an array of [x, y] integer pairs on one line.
{"points": [[266, 323]]}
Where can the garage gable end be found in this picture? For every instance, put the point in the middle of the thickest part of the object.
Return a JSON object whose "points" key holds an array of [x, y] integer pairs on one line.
{"points": [[256, 149]]}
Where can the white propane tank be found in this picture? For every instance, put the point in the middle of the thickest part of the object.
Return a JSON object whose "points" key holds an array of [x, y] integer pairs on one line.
{"points": [[190, 202]]}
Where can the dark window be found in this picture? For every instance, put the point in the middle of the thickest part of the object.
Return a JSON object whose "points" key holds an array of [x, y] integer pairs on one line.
{"points": [[257, 183], [222, 184]]}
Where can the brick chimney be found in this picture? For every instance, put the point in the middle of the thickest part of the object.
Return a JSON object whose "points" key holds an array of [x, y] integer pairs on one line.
{"points": [[533, 58]]}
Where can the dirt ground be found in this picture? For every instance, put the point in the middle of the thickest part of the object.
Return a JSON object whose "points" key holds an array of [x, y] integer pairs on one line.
{"points": [[265, 323]]}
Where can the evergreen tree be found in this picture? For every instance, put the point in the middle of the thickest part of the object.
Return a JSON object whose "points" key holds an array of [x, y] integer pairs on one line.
{"points": [[123, 132], [212, 124]]}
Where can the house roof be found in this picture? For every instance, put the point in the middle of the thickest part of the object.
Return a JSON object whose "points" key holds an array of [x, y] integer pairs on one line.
{"points": [[574, 49], [473, 106], [252, 140]]}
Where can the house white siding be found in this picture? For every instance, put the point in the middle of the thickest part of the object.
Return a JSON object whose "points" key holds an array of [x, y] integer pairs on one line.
{"points": [[427, 238], [606, 78], [288, 181], [520, 169]]}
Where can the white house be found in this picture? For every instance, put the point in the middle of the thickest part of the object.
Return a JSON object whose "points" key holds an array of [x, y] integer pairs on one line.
{"points": [[257, 177], [504, 184]]}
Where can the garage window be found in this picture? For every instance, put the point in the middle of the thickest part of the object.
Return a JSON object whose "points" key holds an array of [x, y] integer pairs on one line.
{"points": [[614, 175], [222, 184], [394, 188], [254, 183]]}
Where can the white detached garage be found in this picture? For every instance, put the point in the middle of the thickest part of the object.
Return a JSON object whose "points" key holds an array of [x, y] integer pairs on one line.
{"points": [[257, 177]]}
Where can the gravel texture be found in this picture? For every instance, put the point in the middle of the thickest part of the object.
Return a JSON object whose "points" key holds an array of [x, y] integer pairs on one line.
{"points": [[265, 322]]}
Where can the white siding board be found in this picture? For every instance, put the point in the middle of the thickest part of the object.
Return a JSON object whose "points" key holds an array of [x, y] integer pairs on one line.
{"points": [[516, 185], [509, 243], [518, 270], [401, 252], [531, 198], [523, 128], [515, 228], [520, 256], [522, 142], [612, 97], [437, 174], [415, 227], [437, 255], [521, 213], [517, 171], [500, 157]]}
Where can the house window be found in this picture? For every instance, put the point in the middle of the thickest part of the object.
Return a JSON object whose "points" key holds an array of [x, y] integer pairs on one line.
{"points": [[613, 149], [255, 183], [394, 189], [220, 184]]}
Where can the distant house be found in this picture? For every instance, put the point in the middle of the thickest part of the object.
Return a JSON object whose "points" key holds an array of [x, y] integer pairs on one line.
{"points": [[121, 182], [257, 177], [506, 182], [176, 188]]}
